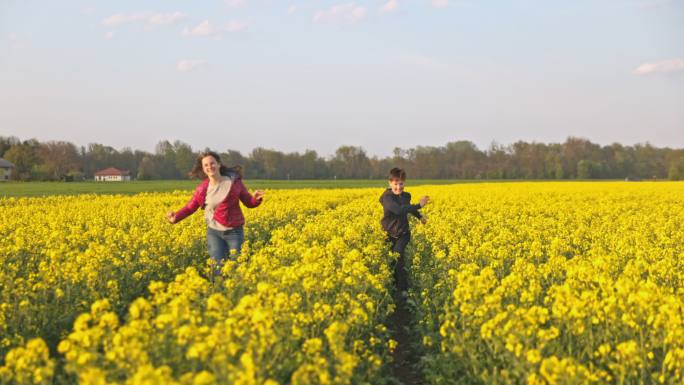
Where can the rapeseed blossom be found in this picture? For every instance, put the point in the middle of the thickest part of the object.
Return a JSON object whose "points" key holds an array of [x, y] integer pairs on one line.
{"points": [[552, 283], [537, 283]]}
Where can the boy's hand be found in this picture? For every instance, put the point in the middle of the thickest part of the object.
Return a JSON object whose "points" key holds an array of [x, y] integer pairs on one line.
{"points": [[423, 219], [171, 217], [258, 195], [424, 200]]}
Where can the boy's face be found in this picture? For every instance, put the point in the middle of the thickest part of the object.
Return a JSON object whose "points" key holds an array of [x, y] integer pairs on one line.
{"points": [[397, 186]]}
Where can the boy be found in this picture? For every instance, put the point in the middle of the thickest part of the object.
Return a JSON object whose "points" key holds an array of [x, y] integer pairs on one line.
{"points": [[397, 205]]}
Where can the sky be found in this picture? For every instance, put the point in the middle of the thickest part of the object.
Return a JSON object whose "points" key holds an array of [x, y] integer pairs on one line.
{"points": [[298, 75]]}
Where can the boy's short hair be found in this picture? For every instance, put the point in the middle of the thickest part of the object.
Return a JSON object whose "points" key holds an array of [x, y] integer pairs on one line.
{"points": [[397, 173]]}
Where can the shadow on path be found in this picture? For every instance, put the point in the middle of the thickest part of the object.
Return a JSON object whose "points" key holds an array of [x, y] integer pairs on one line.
{"points": [[405, 368]]}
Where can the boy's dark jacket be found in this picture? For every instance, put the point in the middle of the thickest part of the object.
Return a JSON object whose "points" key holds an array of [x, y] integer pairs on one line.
{"points": [[396, 208]]}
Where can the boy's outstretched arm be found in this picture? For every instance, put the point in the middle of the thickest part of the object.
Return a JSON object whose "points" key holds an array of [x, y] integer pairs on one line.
{"points": [[423, 201]]}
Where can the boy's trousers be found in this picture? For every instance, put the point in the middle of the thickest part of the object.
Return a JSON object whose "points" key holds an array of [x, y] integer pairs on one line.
{"points": [[399, 246]]}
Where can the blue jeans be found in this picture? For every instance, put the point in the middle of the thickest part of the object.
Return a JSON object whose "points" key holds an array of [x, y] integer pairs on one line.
{"points": [[221, 242]]}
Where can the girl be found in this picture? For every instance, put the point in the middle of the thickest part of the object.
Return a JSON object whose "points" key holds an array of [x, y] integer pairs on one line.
{"points": [[218, 194]]}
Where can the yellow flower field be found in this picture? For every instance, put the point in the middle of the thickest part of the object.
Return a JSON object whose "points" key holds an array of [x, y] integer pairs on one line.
{"points": [[511, 283], [552, 283]]}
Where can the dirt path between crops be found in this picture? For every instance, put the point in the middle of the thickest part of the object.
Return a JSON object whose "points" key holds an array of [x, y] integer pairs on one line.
{"points": [[405, 365]]}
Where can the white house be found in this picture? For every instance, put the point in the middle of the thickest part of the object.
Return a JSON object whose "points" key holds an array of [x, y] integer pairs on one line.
{"points": [[113, 175], [5, 170]]}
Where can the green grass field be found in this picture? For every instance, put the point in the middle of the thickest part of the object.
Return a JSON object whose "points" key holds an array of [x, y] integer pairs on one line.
{"points": [[25, 189]]}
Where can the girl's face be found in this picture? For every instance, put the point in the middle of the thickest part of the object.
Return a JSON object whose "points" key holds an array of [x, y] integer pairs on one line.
{"points": [[210, 166], [397, 186]]}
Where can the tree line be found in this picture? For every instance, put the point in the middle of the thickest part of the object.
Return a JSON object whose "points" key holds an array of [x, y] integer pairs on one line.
{"points": [[576, 158]]}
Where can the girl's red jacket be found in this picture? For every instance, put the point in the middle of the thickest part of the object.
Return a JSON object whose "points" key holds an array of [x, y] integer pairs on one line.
{"points": [[228, 213]]}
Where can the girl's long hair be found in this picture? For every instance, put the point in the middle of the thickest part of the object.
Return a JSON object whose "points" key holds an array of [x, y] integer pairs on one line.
{"points": [[198, 173]]}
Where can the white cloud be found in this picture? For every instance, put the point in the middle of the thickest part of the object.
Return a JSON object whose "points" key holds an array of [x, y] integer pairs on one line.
{"points": [[349, 12], [188, 65], [665, 66], [166, 18], [109, 35], [122, 18], [150, 19], [16, 41], [440, 3], [291, 9], [203, 29], [87, 10], [236, 3], [206, 29], [648, 5], [390, 6]]}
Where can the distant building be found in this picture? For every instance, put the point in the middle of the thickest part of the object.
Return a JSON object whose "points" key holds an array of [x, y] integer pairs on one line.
{"points": [[113, 175], [5, 170]]}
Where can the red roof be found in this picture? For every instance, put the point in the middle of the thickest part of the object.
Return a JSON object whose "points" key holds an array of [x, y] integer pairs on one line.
{"points": [[112, 172]]}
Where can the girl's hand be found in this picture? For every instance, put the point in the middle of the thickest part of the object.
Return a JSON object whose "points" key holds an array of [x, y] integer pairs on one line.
{"points": [[171, 217], [259, 195]]}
